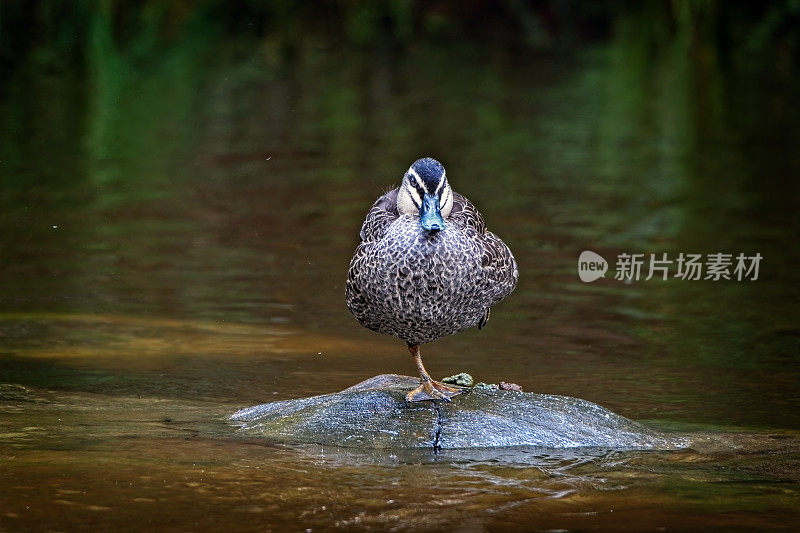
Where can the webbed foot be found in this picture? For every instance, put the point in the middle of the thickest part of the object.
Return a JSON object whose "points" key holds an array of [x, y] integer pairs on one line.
{"points": [[433, 390]]}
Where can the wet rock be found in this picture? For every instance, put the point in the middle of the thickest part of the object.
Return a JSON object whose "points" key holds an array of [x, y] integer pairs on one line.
{"points": [[374, 414]]}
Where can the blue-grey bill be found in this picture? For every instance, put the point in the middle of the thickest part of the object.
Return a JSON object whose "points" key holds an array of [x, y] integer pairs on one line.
{"points": [[430, 214]]}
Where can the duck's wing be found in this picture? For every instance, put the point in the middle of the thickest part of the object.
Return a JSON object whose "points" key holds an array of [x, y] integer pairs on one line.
{"points": [[465, 214], [382, 213], [497, 261], [499, 264]]}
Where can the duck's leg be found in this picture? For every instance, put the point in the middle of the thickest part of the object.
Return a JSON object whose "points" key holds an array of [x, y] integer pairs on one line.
{"points": [[429, 389]]}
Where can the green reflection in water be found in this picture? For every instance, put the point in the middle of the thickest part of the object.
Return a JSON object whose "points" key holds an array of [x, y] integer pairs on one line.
{"points": [[206, 194]]}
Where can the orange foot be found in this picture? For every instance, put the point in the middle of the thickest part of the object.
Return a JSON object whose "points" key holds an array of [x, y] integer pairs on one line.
{"points": [[433, 390]]}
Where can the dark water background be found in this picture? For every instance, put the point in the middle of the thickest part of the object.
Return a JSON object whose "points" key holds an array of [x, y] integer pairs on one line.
{"points": [[178, 208]]}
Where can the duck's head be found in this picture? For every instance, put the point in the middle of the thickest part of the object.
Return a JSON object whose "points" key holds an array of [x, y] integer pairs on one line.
{"points": [[425, 192]]}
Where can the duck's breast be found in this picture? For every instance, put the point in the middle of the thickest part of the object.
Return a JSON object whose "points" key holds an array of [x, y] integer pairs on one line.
{"points": [[420, 286]]}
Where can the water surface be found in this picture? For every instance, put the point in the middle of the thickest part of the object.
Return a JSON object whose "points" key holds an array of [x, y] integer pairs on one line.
{"points": [[175, 232]]}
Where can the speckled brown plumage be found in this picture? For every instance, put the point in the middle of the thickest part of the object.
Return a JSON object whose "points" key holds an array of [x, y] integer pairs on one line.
{"points": [[419, 285]]}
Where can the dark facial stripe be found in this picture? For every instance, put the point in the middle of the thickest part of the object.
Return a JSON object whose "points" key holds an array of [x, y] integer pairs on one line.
{"points": [[443, 200], [416, 186], [410, 190], [414, 201]]}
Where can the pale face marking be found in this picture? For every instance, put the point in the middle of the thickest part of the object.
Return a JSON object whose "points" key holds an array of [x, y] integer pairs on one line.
{"points": [[446, 202], [419, 180], [442, 181], [412, 191], [409, 200]]}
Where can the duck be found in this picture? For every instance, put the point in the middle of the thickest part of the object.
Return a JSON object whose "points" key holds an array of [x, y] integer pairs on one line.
{"points": [[427, 267]]}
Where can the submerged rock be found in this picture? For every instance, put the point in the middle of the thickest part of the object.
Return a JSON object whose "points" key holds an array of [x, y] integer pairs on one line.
{"points": [[374, 414]]}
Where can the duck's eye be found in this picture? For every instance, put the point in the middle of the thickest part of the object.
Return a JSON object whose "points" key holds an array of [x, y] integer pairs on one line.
{"points": [[417, 193], [413, 194]]}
